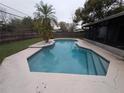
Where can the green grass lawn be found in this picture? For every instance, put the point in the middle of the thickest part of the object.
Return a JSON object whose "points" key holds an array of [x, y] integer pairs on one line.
{"points": [[8, 49]]}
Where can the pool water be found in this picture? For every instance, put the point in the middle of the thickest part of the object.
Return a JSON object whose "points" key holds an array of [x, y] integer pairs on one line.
{"points": [[66, 57]]}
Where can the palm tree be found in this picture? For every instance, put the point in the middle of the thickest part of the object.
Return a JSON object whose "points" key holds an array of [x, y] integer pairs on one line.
{"points": [[46, 15]]}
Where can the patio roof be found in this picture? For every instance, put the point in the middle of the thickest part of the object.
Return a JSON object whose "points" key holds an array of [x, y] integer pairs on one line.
{"points": [[105, 19]]}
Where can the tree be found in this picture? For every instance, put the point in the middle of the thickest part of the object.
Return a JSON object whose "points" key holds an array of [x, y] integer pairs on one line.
{"points": [[81, 14], [95, 10], [72, 27], [16, 23], [77, 16], [63, 26], [27, 21], [3, 15], [45, 16], [3, 19]]}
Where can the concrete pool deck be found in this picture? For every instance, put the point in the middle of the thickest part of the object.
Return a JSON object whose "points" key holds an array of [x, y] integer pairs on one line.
{"points": [[15, 76]]}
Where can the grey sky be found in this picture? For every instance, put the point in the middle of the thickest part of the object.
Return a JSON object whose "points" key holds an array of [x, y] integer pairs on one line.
{"points": [[64, 8]]}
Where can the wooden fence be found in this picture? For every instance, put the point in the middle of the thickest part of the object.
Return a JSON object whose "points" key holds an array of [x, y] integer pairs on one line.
{"points": [[6, 37], [68, 34], [14, 37], [18, 33]]}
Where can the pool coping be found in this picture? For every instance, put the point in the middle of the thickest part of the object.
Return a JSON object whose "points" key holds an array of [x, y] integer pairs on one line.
{"points": [[42, 44], [67, 83]]}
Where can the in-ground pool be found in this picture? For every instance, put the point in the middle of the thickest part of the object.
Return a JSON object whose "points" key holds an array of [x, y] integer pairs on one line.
{"points": [[65, 56]]}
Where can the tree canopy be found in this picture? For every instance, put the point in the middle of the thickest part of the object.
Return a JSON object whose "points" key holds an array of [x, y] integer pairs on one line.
{"points": [[94, 10], [63, 26]]}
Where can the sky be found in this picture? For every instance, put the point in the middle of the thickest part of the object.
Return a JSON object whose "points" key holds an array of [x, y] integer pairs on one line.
{"points": [[64, 8]]}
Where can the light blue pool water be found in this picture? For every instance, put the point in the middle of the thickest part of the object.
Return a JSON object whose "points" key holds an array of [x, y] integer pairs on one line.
{"points": [[66, 57]]}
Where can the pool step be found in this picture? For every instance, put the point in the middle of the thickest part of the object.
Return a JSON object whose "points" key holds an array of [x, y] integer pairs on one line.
{"points": [[105, 64], [98, 65], [91, 65]]}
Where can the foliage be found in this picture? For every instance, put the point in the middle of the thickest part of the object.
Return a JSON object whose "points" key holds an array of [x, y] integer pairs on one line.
{"points": [[67, 27], [63, 26], [3, 16], [45, 20], [27, 21], [15, 24], [94, 10], [72, 27]]}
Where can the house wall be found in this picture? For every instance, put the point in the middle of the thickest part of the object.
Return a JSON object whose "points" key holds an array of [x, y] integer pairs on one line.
{"points": [[108, 32]]}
